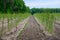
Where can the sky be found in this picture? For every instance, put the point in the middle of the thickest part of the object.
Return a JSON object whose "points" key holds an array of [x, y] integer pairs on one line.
{"points": [[42, 3]]}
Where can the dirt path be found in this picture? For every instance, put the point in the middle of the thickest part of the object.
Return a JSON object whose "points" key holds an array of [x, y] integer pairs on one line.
{"points": [[32, 31]]}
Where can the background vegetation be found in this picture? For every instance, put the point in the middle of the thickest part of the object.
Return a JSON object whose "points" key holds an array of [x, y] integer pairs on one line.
{"points": [[45, 10]]}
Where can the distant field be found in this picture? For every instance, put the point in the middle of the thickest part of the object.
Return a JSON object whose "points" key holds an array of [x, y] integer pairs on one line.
{"points": [[8, 21], [48, 20]]}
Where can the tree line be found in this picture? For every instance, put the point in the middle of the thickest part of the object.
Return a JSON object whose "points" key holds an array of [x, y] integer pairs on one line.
{"points": [[45, 10], [13, 6]]}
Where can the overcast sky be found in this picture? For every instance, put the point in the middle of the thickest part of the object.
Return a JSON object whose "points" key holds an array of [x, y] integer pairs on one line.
{"points": [[42, 3]]}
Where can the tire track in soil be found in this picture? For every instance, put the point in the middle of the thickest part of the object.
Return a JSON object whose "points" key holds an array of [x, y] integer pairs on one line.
{"points": [[57, 29], [33, 32]]}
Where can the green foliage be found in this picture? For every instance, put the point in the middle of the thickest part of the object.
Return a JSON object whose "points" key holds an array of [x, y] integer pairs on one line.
{"points": [[45, 10], [19, 5], [28, 10], [12, 6]]}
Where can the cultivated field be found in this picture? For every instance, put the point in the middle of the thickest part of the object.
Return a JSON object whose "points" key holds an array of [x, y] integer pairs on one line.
{"points": [[43, 26], [10, 21]]}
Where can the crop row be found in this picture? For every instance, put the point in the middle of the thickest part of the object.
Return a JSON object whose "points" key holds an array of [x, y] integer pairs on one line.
{"points": [[48, 20], [9, 21]]}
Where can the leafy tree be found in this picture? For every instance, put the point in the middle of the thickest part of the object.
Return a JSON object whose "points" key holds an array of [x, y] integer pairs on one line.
{"points": [[28, 9], [12, 6]]}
